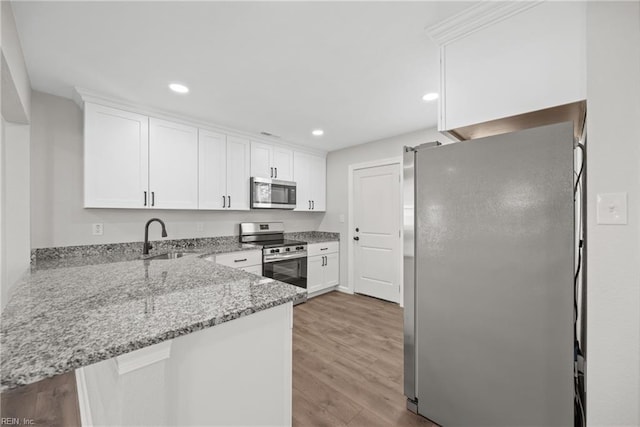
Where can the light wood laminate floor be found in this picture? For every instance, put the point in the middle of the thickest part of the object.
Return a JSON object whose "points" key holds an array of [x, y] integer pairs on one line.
{"points": [[347, 370], [52, 403], [348, 363]]}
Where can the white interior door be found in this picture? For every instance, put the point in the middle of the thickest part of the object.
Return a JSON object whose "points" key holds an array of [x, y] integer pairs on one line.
{"points": [[376, 204]]}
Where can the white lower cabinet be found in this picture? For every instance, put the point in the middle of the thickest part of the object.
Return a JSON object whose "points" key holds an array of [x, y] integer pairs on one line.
{"points": [[323, 267], [249, 261], [254, 269]]}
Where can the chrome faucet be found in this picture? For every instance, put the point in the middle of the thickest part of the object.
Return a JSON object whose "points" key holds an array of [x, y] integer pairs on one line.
{"points": [[147, 245]]}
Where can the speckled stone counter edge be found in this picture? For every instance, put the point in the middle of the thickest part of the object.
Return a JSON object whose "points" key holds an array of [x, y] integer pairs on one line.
{"points": [[88, 359], [160, 246]]}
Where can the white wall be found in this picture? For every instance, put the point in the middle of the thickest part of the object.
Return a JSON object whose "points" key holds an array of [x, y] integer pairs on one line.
{"points": [[14, 157], [16, 87], [17, 253], [337, 177], [613, 262], [57, 214]]}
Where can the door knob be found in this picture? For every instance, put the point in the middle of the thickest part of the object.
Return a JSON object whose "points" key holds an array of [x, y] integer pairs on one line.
{"points": [[356, 238]]}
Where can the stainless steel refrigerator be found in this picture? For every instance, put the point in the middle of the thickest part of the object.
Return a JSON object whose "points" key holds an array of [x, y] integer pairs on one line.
{"points": [[488, 269]]}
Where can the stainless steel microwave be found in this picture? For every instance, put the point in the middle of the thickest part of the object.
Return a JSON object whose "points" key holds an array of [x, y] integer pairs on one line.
{"points": [[269, 193]]}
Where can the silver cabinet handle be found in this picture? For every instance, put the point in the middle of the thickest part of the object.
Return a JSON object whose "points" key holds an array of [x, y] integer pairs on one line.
{"points": [[271, 172], [153, 198], [229, 200], [224, 202], [323, 249], [276, 172], [313, 205], [145, 198], [322, 262], [309, 204], [239, 260]]}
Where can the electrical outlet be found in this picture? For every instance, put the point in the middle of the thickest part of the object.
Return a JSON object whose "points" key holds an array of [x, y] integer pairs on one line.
{"points": [[97, 229]]}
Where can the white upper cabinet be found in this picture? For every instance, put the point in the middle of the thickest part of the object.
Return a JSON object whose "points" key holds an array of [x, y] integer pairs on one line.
{"points": [[116, 147], [500, 59], [310, 177], [238, 172], [135, 161], [282, 163], [318, 183], [271, 161], [173, 165], [224, 171], [212, 170]]}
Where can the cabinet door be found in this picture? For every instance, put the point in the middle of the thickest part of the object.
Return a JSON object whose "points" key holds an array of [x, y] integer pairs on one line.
{"points": [[212, 170], [332, 269], [301, 177], [318, 183], [282, 162], [261, 160], [116, 145], [173, 165], [315, 273], [254, 269], [519, 66], [238, 173]]}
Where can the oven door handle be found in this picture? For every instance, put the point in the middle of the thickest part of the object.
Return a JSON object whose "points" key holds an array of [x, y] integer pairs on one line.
{"points": [[280, 257]]}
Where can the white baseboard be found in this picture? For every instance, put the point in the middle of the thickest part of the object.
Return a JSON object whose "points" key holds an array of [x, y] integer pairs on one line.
{"points": [[83, 399], [322, 291], [344, 289]]}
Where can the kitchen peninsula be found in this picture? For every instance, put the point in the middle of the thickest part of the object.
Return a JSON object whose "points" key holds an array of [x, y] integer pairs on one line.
{"points": [[164, 342]]}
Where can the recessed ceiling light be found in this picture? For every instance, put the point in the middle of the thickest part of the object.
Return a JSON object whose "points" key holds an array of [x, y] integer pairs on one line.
{"points": [[317, 132], [430, 96], [179, 88]]}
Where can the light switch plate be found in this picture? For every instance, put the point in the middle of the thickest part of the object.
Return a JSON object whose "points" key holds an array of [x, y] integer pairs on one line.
{"points": [[612, 208]]}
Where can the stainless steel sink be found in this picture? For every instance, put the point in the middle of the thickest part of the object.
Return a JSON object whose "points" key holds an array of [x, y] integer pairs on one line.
{"points": [[169, 255]]}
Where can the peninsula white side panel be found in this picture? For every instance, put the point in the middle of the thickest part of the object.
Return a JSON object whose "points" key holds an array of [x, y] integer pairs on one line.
{"points": [[235, 373]]}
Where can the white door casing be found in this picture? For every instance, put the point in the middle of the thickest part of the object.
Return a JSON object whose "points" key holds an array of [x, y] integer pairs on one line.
{"points": [[376, 231]]}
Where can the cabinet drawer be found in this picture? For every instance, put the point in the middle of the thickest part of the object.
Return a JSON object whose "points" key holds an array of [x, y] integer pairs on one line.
{"points": [[240, 259], [323, 248]]}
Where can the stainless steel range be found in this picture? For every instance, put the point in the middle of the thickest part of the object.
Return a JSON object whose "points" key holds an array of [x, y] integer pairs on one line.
{"points": [[282, 259]]}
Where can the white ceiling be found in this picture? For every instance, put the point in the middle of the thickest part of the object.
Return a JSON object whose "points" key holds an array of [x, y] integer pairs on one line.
{"points": [[358, 70]]}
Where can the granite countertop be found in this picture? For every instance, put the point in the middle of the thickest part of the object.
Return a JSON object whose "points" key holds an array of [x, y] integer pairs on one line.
{"points": [[62, 317], [314, 236]]}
